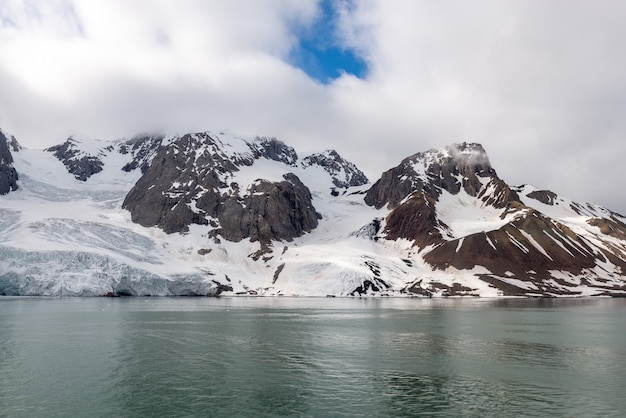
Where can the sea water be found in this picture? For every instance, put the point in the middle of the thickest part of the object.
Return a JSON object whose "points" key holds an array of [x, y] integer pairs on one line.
{"points": [[117, 357]]}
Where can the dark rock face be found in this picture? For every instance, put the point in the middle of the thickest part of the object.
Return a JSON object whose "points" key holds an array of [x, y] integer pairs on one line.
{"points": [[544, 196], [81, 166], [415, 220], [273, 149], [513, 249], [143, 149], [270, 211], [394, 186], [344, 173], [411, 190], [162, 197], [186, 184], [8, 174], [432, 171]]}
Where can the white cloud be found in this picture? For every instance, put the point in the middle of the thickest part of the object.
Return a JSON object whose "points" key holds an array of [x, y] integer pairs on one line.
{"points": [[541, 84]]}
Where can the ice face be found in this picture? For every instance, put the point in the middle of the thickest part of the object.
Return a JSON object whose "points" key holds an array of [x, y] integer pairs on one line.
{"points": [[77, 273]]}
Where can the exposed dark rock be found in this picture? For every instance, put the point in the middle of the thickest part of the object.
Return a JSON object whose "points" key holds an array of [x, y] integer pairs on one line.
{"points": [[143, 149], [277, 272], [185, 185], [8, 174], [455, 290], [512, 249], [432, 171], [375, 269], [13, 144], [376, 285], [415, 220], [416, 289], [163, 195], [273, 149], [111, 295], [544, 196], [610, 226], [344, 173], [220, 288], [412, 189], [366, 287], [394, 185], [270, 211], [80, 165], [499, 195], [518, 250], [369, 231]]}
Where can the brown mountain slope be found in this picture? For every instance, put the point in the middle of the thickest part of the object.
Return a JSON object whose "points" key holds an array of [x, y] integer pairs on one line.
{"points": [[460, 215]]}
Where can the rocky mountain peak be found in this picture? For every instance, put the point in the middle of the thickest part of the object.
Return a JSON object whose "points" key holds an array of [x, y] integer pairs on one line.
{"points": [[343, 173], [455, 160], [79, 162], [459, 215], [455, 167], [469, 158], [192, 180], [5, 150], [85, 157], [10, 140], [143, 148], [8, 174], [273, 149]]}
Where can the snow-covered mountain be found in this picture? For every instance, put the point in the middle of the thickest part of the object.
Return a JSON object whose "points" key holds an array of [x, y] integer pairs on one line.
{"points": [[209, 213]]}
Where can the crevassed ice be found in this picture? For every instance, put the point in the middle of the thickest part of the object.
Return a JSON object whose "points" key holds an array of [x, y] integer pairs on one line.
{"points": [[75, 273]]}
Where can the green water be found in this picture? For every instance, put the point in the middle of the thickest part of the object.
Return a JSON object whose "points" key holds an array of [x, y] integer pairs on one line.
{"points": [[98, 357]]}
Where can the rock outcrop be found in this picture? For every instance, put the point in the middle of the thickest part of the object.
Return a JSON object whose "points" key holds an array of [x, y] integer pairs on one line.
{"points": [[189, 182], [8, 174], [344, 173], [270, 211], [78, 163], [143, 149], [458, 166], [84, 158], [273, 149]]}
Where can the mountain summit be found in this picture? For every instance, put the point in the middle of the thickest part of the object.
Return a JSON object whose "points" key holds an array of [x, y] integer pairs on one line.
{"points": [[209, 213], [461, 216]]}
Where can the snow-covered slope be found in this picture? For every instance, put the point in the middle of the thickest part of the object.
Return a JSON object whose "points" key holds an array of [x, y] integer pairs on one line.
{"points": [[210, 213]]}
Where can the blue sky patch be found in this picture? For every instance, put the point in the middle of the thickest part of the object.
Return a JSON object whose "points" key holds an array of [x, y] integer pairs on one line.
{"points": [[318, 52]]}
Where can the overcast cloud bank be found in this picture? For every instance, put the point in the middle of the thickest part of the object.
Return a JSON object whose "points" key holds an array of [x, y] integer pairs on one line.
{"points": [[542, 85]]}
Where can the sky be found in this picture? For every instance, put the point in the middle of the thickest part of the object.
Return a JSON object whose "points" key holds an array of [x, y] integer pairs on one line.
{"points": [[541, 84]]}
